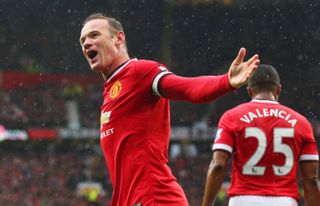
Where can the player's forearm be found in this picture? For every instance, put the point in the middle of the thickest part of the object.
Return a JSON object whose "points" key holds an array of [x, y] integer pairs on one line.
{"points": [[310, 182], [197, 89], [311, 192], [215, 177]]}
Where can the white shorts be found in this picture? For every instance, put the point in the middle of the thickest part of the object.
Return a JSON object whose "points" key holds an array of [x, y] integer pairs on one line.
{"points": [[252, 200]]}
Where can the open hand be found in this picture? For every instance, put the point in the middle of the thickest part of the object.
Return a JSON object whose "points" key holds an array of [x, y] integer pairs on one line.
{"points": [[239, 71]]}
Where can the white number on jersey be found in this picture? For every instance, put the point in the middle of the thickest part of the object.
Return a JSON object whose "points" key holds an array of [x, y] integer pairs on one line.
{"points": [[250, 167]]}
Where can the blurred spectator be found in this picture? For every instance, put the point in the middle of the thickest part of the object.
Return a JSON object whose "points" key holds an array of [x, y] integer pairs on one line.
{"points": [[10, 113]]}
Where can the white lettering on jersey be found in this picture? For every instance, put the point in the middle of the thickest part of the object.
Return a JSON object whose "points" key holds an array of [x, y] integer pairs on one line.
{"points": [[265, 112], [106, 133]]}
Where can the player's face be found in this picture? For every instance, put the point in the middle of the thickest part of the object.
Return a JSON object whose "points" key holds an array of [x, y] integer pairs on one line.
{"points": [[98, 44]]}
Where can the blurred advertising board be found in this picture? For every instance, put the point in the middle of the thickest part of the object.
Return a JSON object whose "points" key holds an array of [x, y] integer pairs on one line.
{"points": [[14, 79], [84, 133], [12, 134], [42, 134]]}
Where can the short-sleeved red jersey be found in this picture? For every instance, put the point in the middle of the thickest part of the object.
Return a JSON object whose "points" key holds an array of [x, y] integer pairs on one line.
{"points": [[266, 140], [135, 128]]}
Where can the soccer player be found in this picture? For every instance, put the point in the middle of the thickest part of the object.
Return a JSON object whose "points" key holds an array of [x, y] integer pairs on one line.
{"points": [[267, 142], [135, 116]]}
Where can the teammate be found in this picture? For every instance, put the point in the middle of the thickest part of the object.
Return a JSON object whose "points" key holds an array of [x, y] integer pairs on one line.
{"points": [[135, 116], [267, 142]]}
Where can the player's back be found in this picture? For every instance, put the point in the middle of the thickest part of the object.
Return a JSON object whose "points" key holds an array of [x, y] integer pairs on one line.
{"points": [[267, 140]]}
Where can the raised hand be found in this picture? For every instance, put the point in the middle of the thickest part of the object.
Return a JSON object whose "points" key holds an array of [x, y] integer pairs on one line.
{"points": [[239, 71]]}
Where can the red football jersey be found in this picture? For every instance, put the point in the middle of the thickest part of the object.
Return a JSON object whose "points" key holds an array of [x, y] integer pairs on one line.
{"points": [[266, 140], [135, 126]]}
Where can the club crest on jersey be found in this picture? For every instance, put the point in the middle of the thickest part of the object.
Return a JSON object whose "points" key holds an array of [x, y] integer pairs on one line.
{"points": [[105, 118], [115, 89]]}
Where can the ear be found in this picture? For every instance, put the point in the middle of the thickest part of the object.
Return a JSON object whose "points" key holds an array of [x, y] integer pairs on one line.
{"points": [[278, 91], [121, 38]]}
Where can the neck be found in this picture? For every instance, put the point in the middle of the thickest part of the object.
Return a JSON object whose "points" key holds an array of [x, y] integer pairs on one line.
{"points": [[265, 96], [114, 66]]}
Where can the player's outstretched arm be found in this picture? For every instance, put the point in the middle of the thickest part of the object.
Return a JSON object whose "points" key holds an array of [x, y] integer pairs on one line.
{"points": [[240, 71], [208, 88], [216, 173], [309, 173]]}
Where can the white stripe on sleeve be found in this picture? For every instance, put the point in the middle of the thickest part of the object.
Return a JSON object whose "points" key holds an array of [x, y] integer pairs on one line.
{"points": [[309, 157], [155, 82], [222, 147]]}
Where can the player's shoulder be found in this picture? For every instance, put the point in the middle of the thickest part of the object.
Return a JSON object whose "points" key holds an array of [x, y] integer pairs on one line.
{"points": [[144, 63], [239, 108], [235, 111], [143, 66], [294, 113]]}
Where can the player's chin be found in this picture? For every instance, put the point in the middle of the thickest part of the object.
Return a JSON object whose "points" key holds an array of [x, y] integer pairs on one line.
{"points": [[95, 67]]}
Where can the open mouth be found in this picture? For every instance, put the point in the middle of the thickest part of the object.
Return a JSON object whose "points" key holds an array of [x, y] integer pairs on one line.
{"points": [[92, 54]]}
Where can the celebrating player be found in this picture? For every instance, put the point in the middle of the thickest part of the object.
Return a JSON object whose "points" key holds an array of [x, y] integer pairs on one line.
{"points": [[135, 116], [267, 142]]}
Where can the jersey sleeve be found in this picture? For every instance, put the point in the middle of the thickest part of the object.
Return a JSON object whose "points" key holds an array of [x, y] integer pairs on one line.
{"points": [[150, 72], [201, 89], [163, 71], [309, 148], [224, 139]]}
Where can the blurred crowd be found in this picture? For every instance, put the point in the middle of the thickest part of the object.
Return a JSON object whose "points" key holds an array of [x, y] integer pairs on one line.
{"points": [[41, 174], [46, 105], [50, 179]]}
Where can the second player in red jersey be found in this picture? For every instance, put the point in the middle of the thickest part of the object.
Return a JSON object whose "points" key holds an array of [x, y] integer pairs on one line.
{"points": [[267, 142]]}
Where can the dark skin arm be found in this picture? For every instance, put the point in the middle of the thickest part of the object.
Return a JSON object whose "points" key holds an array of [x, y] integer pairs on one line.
{"points": [[216, 173], [309, 173]]}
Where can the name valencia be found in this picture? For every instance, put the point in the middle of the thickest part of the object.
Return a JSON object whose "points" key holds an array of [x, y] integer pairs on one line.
{"points": [[265, 112]]}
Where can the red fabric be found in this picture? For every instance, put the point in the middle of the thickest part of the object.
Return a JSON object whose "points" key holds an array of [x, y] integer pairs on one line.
{"points": [[135, 126], [272, 138], [195, 89]]}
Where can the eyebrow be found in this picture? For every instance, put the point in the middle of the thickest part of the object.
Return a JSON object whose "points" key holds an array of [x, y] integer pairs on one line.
{"points": [[82, 38], [88, 34]]}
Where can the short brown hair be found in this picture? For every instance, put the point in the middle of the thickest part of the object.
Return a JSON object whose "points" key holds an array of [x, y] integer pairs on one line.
{"points": [[115, 24]]}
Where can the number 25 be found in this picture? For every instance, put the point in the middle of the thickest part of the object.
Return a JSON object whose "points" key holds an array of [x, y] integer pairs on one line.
{"points": [[250, 167]]}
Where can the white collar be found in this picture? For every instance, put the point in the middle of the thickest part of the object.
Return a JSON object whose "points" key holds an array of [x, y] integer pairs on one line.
{"points": [[121, 68], [265, 101]]}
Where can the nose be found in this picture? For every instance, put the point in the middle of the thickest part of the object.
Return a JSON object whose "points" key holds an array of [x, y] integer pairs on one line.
{"points": [[87, 43]]}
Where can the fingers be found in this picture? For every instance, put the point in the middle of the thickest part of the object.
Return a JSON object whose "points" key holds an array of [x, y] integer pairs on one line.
{"points": [[252, 59], [253, 66], [253, 63], [241, 55]]}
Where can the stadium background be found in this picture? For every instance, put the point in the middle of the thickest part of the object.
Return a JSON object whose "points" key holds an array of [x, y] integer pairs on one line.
{"points": [[49, 98]]}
